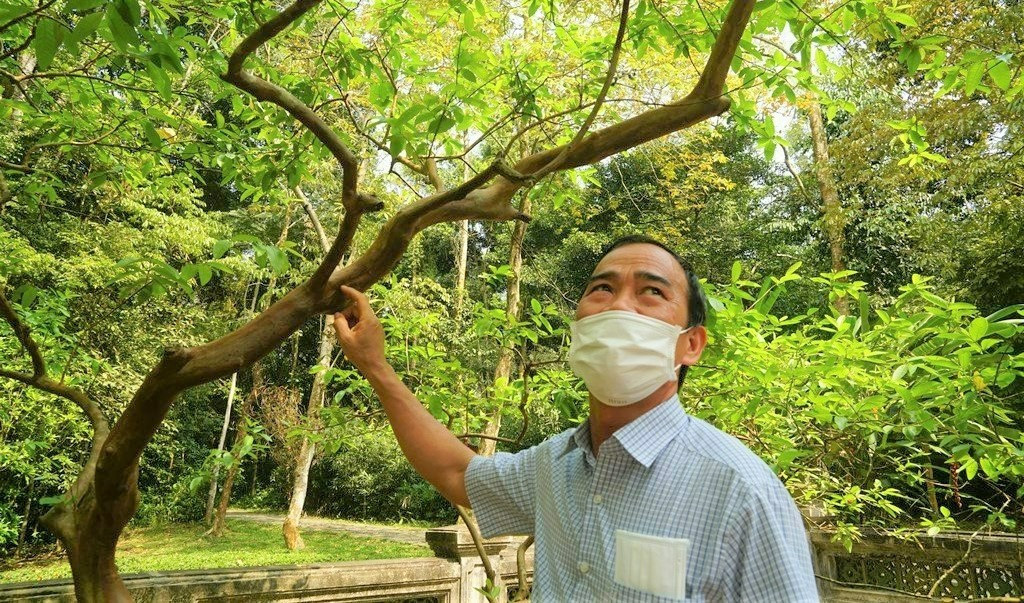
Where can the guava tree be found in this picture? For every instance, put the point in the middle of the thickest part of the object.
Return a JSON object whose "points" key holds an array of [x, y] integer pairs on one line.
{"points": [[122, 34]]}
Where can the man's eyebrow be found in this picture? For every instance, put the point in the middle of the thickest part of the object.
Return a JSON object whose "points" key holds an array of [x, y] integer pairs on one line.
{"points": [[650, 276], [611, 275]]}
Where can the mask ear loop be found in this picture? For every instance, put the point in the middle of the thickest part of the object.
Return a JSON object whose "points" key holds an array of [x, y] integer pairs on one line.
{"points": [[681, 333]]}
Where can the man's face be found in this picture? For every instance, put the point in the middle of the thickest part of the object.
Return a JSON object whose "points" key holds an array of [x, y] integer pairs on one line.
{"points": [[645, 279], [639, 278]]}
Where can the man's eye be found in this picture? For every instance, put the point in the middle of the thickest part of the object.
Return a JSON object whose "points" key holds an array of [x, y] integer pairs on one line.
{"points": [[600, 287], [655, 291]]}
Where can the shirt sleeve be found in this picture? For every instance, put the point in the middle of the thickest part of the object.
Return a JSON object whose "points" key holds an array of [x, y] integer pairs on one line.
{"points": [[502, 491], [766, 556]]}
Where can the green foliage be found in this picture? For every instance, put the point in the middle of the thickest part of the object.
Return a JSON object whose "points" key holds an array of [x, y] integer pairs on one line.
{"points": [[369, 479], [130, 172], [873, 414]]}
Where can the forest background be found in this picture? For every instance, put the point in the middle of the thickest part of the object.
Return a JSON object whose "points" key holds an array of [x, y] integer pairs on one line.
{"points": [[857, 214]]}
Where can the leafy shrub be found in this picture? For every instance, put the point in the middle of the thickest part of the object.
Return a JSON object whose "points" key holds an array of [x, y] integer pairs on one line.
{"points": [[905, 413], [369, 479]]}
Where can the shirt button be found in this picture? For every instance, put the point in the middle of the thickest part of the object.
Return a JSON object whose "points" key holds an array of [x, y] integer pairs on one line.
{"points": [[598, 499], [584, 567]]}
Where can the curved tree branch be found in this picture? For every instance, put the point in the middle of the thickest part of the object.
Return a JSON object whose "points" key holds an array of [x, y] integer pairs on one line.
{"points": [[39, 377], [24, 335], [43, 6], [476, 199], [266, 91], [613, 65]]}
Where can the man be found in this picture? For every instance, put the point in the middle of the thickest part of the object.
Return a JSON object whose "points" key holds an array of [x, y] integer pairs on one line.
{"points": [[641, 502]]}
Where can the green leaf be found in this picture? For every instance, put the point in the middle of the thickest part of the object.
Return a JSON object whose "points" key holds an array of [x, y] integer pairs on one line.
{"points": [[902, 18], [737, 269], [123, 33], [49, 35], [86, 27], [160, 80], [130, 11], [914, 59], [151, 134], [278, 260], [221, 247], [204, 272], [397, 144], [80, 6], [973, 77], [989, 468], [978, 328], [970, 467], [1000, 74], [535, 305]]}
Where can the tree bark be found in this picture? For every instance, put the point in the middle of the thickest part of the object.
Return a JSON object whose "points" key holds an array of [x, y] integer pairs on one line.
{"points": [[461, 263], [241, 433], [211, 498], [834, 221], [307, 449], [513, 309]]}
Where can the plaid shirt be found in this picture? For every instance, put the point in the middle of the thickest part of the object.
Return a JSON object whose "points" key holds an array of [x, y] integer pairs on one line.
{"points": [[665, 474]]}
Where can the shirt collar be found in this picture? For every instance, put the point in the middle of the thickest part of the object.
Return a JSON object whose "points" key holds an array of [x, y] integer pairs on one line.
{"points": [[645, 437], [581, 439]]}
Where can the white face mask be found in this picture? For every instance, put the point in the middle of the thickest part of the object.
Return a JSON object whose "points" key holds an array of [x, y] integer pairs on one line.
{"points": [[623, 357]]}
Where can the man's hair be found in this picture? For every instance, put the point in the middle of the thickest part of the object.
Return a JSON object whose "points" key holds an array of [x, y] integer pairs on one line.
{"points": [[696, 301]]}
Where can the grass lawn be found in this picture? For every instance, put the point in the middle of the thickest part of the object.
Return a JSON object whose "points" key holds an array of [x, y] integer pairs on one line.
{"points": [[182, 546]]}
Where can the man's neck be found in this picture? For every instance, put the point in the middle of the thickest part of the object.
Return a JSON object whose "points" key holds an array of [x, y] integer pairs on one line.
{"points": [[606, 420]]}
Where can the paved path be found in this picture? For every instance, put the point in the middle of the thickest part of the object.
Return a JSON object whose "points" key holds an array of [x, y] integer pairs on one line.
{"points": [[409, 535]]}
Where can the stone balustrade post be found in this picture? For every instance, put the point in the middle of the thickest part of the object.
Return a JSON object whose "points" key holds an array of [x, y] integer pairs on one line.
{"points": [[455, 542]]}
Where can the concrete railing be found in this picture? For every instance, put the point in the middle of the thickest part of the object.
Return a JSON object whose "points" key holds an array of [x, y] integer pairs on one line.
{"points": [[951, 565], [879, 569]]}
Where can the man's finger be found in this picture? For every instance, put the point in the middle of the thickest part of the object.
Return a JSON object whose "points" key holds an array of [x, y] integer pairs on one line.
{"points": [[341, 326], [362, 303]]}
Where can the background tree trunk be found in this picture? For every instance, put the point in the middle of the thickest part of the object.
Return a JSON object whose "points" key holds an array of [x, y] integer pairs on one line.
{"points": [[246, 410], [211, 498], [236, 451], [461, 262], [513, 309], [834, 221], [307, 449]]}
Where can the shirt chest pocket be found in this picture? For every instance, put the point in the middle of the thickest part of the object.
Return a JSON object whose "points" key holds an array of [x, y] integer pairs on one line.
{"points": [[651, 564]]}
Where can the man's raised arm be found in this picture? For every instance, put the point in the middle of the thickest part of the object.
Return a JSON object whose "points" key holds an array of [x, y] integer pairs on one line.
{"points": [[433, 451]]}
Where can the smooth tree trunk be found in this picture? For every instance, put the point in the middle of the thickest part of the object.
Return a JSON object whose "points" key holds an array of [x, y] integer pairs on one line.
{"points": [[461, 262], [513, 309], [257, 389], [220, 520], [211, 497], [307, 448]]}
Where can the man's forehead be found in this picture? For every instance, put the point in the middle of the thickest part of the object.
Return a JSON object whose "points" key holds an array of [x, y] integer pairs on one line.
{"points": [[640, 257]]}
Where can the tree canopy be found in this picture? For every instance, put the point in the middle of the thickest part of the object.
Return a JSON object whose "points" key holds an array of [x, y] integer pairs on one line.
{"points": [[183, 188]]}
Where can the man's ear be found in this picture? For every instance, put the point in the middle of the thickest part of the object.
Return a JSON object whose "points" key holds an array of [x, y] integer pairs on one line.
{"points": [[690, 345]]}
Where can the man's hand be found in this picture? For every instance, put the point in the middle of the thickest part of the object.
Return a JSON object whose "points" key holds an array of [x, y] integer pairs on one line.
{"points": [[360, 333], [433, 451]]}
